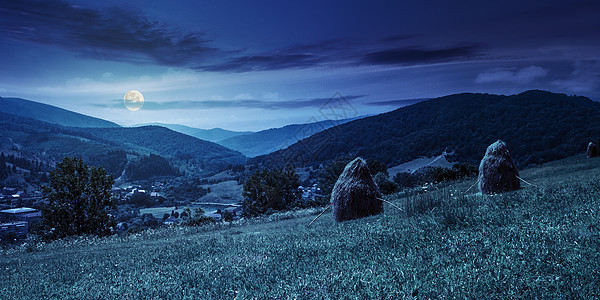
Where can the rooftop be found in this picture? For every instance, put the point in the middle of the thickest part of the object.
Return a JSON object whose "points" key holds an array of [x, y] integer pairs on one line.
{"points": [[19, 210]]}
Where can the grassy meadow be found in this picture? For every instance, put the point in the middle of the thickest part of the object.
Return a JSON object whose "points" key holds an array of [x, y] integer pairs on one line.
{"points": [[539, 242]]}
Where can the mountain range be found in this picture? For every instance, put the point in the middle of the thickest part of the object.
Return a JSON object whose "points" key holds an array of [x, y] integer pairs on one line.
{"points": [[538, 126], [263, 142], [270, 140], [40, 133], [50, 114], [211, 135]]}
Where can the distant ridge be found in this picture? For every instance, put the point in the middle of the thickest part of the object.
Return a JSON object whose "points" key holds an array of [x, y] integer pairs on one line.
{"points": [[113, 148], [538, 127], [50, 114], [211, 135], [270, 140]]}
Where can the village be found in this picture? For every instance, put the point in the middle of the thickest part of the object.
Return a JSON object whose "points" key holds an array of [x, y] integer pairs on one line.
{"points": [[137, 209]]}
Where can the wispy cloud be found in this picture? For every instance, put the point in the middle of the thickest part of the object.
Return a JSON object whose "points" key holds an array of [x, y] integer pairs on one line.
{"points": [[126, 35], [111, 83], [344, 53], [112, 34], [397, 103], [585, 77], [520, 76], [263, 62], [234, 103]]}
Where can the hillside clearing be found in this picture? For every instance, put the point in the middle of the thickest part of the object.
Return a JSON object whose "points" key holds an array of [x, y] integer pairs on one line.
{"points": [[529, 243]]}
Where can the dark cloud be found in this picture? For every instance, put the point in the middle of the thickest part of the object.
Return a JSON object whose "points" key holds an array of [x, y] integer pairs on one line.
{"points": [[249, 103], [398, 103], [116, 34], [264, 62], [125, 35], [344, 53], [412, 55], [329, 52], [112, 34], [397, 37]]}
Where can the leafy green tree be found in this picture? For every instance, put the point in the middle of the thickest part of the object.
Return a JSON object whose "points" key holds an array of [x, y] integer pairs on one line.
{"points": [[269, 190], [76, 200], [226, 216], [141, 200], [330, 174], [197, 218], [386, 186]]}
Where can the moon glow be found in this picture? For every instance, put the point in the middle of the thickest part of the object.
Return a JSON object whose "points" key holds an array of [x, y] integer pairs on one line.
{"points": [[133, 100]]}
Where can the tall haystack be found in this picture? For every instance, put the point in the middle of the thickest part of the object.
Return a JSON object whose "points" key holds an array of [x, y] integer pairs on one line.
{"points": [[497, 172], [592, 150], [355, 194]]}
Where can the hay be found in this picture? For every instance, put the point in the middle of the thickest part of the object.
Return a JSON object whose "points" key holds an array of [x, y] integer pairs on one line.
{"points": [[355, 194], [497, 172], [592, 150]]}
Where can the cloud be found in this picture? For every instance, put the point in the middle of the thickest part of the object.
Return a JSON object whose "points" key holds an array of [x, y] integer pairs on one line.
{"points": [[412, 55], [263, 62], [342, 53], [234, 103], [110, 84], [129, 36], [583, 79], [398, 103], [112, 34], [522, 76]]}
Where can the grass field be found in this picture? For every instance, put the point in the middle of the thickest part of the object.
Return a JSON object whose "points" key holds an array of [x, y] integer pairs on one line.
{"points": [[539, 242], [229, 192]]}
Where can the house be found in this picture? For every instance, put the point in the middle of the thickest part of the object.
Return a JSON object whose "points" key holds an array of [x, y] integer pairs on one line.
{"points": [[215, 215], [310, 193], [171, 221], [121, 226], [19, 229], [9, 191], [26, 214]]}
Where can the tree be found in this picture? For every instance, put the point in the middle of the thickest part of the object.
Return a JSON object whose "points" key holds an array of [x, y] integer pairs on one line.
{"points": [[141, 200], [385, 185], [330, 174], [269, 190], [76, 200]]}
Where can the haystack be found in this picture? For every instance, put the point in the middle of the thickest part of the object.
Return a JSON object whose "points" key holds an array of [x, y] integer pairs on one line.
{"points": [[592, 150], [497, 172], [355, 194]]}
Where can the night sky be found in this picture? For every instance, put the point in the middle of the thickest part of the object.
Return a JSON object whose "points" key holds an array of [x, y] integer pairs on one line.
{"points": [[251, 65]]}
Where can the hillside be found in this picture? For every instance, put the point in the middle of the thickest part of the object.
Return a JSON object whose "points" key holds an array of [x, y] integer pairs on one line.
{"points": [[186, 150], [539, 242], [537, 126], [50, 114], [211, 135], [271, 140], [112, 148]]}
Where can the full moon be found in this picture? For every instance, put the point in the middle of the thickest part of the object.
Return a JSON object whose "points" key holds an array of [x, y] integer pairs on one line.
{"points": [[133, 100]]}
